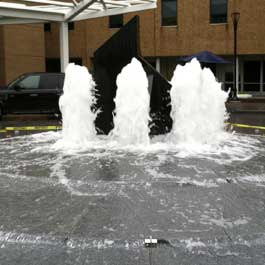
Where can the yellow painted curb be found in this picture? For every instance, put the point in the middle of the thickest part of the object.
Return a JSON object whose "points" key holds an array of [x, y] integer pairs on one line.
{"points": [[54, 127], [247, 126], [31, 128]]}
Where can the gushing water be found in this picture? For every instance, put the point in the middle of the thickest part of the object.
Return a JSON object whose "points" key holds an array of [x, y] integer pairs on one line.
{"points": [[198, 105], [75, 105], [132, 106], [198, 108]]}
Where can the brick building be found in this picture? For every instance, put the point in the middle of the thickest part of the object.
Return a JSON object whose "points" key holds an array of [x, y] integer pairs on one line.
{"points": [[176, 28]]}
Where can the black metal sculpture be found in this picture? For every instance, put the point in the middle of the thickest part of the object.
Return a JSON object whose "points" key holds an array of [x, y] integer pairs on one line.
{"points": [[109, 60]]}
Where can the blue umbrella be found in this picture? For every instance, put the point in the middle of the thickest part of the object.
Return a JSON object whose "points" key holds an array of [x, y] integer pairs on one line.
{"points": [[205, 57]]}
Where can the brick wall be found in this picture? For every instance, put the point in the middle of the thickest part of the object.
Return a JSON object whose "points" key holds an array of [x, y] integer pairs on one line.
{"points": [[24, 50]]}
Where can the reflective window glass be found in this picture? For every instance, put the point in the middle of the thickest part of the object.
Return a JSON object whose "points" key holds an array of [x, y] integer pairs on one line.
{"points": [[218, 11], [71, 26], [229, 77], [252, 75], [47, 27], [169, 12], [116, 21], [228, 84], [30, 82]]}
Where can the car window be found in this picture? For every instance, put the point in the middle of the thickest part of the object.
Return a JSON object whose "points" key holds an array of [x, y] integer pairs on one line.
{"points": [[49, 82], [30, 82]]}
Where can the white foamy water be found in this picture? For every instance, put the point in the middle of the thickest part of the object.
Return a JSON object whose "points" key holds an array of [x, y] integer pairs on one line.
{"points": [[132, 106], [75, 105], [198, 105]]}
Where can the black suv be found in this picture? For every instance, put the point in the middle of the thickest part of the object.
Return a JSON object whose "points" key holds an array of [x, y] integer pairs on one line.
{"points": [[32, 93]]}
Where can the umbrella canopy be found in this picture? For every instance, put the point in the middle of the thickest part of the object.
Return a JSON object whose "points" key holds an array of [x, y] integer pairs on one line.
{"points": [[205, 57]]}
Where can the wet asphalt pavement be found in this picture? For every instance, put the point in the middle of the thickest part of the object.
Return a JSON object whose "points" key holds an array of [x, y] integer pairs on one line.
{"points": [[98, 206]]}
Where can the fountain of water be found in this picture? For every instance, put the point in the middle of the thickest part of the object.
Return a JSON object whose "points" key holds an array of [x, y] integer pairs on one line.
{"points": [[132, 106], [75, 105], [198, 105]]}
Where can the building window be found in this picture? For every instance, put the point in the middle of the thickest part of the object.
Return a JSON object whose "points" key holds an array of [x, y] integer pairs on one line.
{"points": [[71, 26], [229, 81], [218, 11], [252, 76], [47, 27], [169, 13], [116, 21]]}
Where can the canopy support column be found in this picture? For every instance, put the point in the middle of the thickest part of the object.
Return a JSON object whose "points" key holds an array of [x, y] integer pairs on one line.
{"points": [[64, 46], [158, 64]]}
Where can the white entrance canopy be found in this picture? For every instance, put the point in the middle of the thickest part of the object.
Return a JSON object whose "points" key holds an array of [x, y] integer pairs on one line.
{"points": [[63, 11]]}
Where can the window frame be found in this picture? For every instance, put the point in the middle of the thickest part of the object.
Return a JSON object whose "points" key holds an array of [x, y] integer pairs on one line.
{"points": [[47, 27]]}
